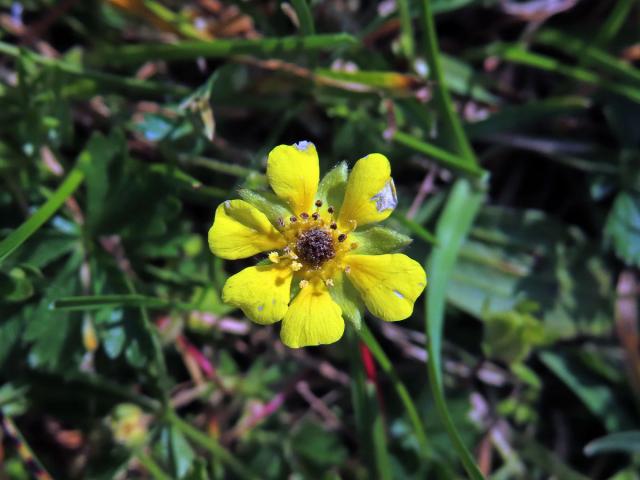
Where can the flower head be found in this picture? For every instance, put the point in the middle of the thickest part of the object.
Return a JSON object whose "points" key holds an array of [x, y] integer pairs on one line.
{"points": [[325, 257]]}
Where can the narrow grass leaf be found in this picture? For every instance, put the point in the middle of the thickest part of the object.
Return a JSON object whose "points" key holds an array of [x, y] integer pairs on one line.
{"points": [[31, 226], [452, 228]]}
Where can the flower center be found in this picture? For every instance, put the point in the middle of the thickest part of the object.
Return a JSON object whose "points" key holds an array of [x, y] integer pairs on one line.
{"points": [[315, 246]]}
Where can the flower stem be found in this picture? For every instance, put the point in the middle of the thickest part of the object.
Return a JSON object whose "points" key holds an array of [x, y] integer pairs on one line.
{"points": [[405, 397], [209, 444], [152, 467]]}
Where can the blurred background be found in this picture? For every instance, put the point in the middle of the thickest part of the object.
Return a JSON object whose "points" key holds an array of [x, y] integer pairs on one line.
{"points": [[514, 137]]}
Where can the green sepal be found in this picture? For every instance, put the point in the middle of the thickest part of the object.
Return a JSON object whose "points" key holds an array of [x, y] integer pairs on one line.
{"points": [[267, 202], [348, 298], [333, 185], [377, 240]]}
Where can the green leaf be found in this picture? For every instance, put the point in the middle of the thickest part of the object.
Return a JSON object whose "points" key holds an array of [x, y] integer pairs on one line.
{"points": [[221, 48], [333, 185], [510, 336], [379, 240], [33, 224], [98, 155], [624, 442], [176, 452], [452, 228], [317, 446], [623, 227], [16, 286], [267, 202], [599, 398], [349, 300]]}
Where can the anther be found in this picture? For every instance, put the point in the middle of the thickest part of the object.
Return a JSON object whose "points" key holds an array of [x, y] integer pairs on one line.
{"points": [[296, 266], [303, 283], [318, 203], [281, 222], [330, 210], [315, 215], [293, 218], [274, 257], [329, 282], [342, 237], [304, 215], [333, 226]]}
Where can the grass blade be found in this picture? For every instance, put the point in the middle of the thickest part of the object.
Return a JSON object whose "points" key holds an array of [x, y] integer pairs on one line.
{"points": [[401, 390], [304, 16], [210, 444], [220, 48], [369, 426], [453, 226], [453, 130], [94, 302], [447, 159], [31, 226]]}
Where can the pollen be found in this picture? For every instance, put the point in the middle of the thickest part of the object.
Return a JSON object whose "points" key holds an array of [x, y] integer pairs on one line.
{"points": [[315, 246], [296, 266], [274, 257]]}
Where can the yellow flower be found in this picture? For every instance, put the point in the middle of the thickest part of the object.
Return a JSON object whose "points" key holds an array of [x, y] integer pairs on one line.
{"points": [[324, 255]]}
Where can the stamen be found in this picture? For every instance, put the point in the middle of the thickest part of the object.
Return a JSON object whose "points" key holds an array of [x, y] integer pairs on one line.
{"points": [[333, 226], [303, 283], [318, 203], [342, 237], [329, 282], [315, 215], [281, 222], [296, 266], [347, 269], [304, 215], [293, 218], [274, 257], [330, 210]]}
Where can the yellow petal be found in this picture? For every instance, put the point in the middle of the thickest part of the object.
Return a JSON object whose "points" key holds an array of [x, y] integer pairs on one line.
{"points": [[389, 284], [240, 230], [313, 318], [371, 194], [261, 292], [293, 173]]}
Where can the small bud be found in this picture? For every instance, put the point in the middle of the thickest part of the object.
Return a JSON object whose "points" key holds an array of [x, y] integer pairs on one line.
{"points": [[318, 203], [354, 245], [129, 425], [342, 237]]}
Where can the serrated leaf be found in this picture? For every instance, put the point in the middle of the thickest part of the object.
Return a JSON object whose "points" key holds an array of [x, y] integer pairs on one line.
{"points": [[379, 240], [623, 227]]}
